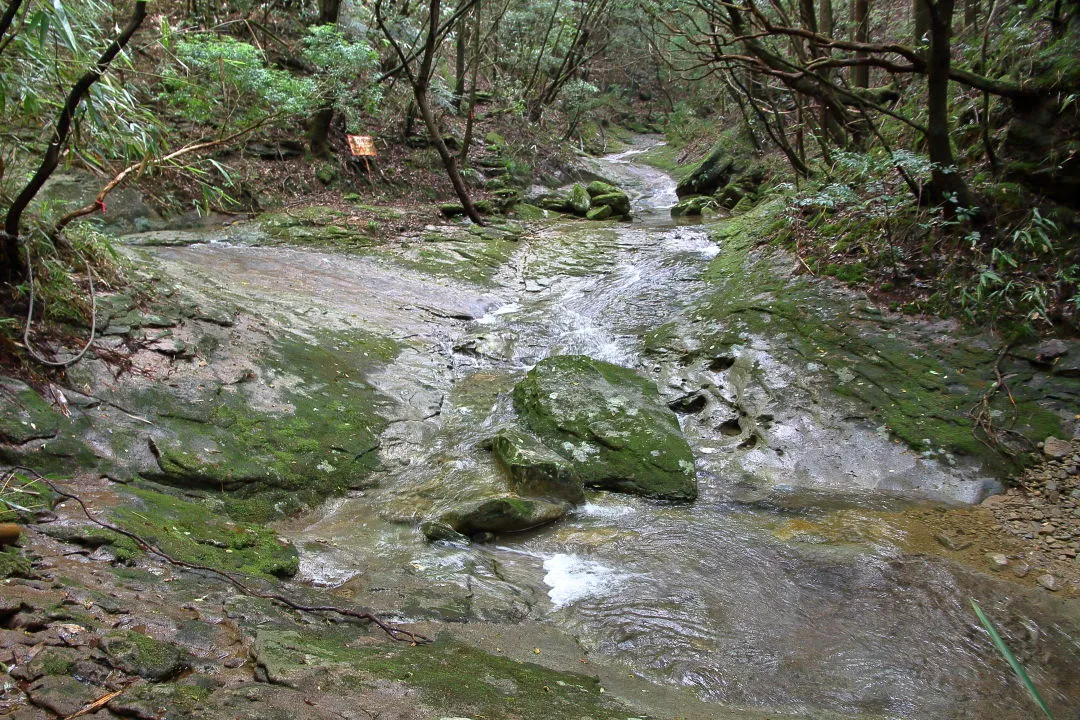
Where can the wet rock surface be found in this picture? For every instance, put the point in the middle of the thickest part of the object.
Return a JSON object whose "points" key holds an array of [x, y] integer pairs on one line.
{"points": [[609, 424]]}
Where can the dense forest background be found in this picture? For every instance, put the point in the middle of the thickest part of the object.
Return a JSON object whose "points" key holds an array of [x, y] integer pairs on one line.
{"points": [[926, 151]]}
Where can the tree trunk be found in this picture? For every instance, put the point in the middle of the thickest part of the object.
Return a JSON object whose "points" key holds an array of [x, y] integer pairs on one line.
{"points": [[448, 159], [13, 267], [947, 185], [460, 43], [329, 11], [860, 74], [466, 142], [920, 17], [420, 81], [971, 15], [825, 17], [319, 125], [319, 132]]}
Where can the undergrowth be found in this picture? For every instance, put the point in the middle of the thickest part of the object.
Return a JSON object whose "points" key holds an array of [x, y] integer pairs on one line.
{"points": [[1016, 272]]}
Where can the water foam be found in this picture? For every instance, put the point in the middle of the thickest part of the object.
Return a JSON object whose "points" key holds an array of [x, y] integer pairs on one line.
{"points": [[572, 578]]}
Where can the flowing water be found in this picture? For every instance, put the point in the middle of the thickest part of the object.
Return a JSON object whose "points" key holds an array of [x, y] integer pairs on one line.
{"points": [[784, 587]]}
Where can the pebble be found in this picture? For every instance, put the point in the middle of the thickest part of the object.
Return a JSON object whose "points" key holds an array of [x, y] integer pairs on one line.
{"points": [[1021, 570], [951, 543], [997, 561], [1048, 581], [1056, 448]]}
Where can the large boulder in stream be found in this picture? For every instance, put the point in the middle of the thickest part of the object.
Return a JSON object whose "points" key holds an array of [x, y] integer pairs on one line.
{"points": [[609, 423]]}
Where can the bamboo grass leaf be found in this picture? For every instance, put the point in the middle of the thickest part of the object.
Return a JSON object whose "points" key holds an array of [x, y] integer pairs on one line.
{"points": [[1002, 648]]}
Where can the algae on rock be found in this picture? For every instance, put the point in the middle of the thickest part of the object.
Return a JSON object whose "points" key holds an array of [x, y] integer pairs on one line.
{"points": [[609, 423]]}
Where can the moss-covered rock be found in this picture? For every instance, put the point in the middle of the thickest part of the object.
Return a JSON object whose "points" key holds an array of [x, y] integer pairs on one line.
{"points": [[579, 201], [196, 532], [536, 470], [508, 513], [603, 212], [138, 654], [690, 206], [619, 202], [24, 415], [526, 211], [610, 424], [459, 680], [13, 563], [599, 187]]}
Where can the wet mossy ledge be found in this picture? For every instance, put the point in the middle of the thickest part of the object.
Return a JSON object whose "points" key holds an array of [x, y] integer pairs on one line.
{"points": [[266, 430], [193, 530], [922, 381], [495, 687]]}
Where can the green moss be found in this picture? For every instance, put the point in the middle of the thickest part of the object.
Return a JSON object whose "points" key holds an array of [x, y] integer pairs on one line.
{"points": [[666, 158], [141, 655], [275, 463], [25, 415], [195, 532], [493, 687], [609, 423], [53, 661], [316, 225], [13, 563], [22, 497], [472, 258], [919, 388]]}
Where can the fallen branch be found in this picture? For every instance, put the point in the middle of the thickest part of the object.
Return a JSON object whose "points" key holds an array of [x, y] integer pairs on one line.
{"points": [[395, 633], [982, 418], [96, 705]]}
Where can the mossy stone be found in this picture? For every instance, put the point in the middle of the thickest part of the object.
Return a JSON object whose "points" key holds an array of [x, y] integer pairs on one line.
{"points": [[610, 424], [619, 202], [13, 563], [579, 201], [602, 212], [508, 513], [196, 533], [326, 174], [25, 415], [691, 206], [534, 469], [138, 654], [599, 187]]}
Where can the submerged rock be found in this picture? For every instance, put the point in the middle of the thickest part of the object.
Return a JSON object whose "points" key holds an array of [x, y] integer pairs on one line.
{"points": [[610, 424]]}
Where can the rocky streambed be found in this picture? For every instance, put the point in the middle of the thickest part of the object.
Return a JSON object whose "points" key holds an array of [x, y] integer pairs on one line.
{"points": [[616, 469]]}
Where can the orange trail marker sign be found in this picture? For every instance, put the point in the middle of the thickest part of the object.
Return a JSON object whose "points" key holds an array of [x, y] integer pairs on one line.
{"points": [[362, 146]]}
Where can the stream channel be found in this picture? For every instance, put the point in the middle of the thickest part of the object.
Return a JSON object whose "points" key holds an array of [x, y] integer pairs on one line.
{"points": [[784, 587]]}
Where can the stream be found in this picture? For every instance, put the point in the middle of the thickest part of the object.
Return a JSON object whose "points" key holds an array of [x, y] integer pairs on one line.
{"points": [[786, 586]]}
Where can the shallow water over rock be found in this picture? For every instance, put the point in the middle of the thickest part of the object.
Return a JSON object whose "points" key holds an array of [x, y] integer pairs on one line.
{"points": [[790, 585]]}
